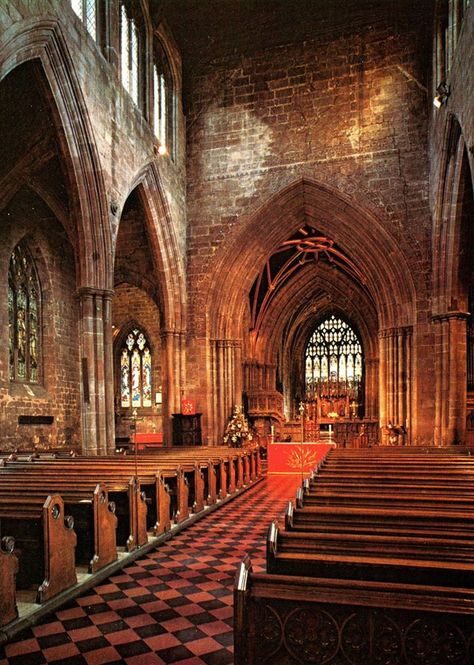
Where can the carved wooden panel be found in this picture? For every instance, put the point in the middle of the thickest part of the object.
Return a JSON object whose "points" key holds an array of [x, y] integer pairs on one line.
{"points": [[320, 634]]}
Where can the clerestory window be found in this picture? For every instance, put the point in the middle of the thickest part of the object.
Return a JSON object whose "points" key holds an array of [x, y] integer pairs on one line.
{"points": [[163, 99], [87, 12], [131, 45]]}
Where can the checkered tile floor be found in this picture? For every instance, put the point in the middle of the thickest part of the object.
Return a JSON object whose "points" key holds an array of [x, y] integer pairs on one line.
{"points": [[172, 606]]}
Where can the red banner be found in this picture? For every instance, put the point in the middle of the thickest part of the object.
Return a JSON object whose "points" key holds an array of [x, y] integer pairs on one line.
{"points": [[295, 457], [188, 407]]}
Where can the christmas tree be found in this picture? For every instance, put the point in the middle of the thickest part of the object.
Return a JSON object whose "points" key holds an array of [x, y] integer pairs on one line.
{"points": [[238, 432]]}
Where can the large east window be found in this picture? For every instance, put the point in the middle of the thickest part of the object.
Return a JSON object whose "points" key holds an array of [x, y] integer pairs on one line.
{"points": [[333, 357], [23, 317]]}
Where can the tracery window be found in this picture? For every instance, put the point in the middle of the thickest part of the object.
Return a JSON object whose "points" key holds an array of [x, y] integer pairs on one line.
{"points": [[163, 98], [23, 317], [130, 46], [135, 371], [87, 12], [333, 358]]}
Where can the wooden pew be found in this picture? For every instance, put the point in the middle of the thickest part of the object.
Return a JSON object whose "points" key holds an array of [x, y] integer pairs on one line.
{"points": [[117, 468], [93, 514], [409, 521], [46, 539], [62, 475], [281, 619], [8, 571], [371, 557]]}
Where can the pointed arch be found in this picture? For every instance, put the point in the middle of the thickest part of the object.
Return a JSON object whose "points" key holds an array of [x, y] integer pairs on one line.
{"points": [[43, 41], [166, 249], [362, 236], [447, 222]]}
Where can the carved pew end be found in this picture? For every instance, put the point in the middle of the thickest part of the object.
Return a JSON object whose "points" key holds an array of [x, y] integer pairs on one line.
{"points": [[272, 545]]}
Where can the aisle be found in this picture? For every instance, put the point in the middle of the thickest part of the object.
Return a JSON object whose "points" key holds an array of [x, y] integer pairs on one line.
{"points": [[172, 606]]}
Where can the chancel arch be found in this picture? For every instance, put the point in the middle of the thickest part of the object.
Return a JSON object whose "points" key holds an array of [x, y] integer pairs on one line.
{"points": [[383, 281]]}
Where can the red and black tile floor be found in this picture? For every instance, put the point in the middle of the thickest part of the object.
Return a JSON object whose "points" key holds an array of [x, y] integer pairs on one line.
{"points": [[172, 606]]}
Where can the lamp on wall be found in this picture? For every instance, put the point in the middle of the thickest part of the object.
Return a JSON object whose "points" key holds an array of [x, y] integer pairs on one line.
{"points": [[442, 94]]}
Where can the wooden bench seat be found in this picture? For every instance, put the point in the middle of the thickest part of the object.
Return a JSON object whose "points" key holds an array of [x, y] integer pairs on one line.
{"points": [[44, 538], [89, 505], [401, 488], [124, 490], [382, 559], [8, 572], [147, 468], [379, 520], [389, 499]]}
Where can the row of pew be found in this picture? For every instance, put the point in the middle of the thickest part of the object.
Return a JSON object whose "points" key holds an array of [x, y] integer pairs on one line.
{"points": [[62, 515], [375, 563]]}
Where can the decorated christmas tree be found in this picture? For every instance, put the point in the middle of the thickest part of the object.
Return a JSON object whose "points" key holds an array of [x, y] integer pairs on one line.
{"points": [[238, 432]]}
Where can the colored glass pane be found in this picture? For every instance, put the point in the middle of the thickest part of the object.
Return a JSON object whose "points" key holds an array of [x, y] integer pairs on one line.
{"points": [[135, 371], [23, 317], [125, 379], [11, 331], [146, 378], [335, 352], [21, 333], [33, 335], [136, 392]]}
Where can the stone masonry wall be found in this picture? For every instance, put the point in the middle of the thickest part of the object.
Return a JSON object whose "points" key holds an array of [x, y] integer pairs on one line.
{"points": [[348, 110]]}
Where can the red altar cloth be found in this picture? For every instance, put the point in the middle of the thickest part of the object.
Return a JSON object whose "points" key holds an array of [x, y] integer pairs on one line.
{"points": [[295, 457]]}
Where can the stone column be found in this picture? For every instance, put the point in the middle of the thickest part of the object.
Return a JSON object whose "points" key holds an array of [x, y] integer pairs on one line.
{"points": [[97, 381], [450, 358], [371, 397], [395, 376], [173, 345], [226, 360]]}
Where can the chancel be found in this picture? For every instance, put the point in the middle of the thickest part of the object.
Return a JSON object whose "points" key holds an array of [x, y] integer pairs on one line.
{"points": [[237, 267]]}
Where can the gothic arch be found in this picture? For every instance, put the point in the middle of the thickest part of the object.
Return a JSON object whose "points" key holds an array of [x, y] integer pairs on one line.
{"points": [[165, 246], [447, 291], [43, 41], [363, 237], [452, 254], [170, 270]]}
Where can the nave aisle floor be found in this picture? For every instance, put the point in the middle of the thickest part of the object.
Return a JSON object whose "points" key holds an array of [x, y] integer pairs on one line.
{"points": [[173, 605]]}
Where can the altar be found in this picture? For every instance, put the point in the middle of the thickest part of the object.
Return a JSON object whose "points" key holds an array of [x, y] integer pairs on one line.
{"points": [[293, 457]]}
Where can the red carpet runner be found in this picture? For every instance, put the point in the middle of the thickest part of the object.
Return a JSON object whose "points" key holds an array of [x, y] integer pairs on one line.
{"points": [[172, 606]]}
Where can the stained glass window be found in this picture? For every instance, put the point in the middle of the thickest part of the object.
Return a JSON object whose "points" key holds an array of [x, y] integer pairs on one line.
{"points": [[333, 356], [135, 371], [23, 317]]}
